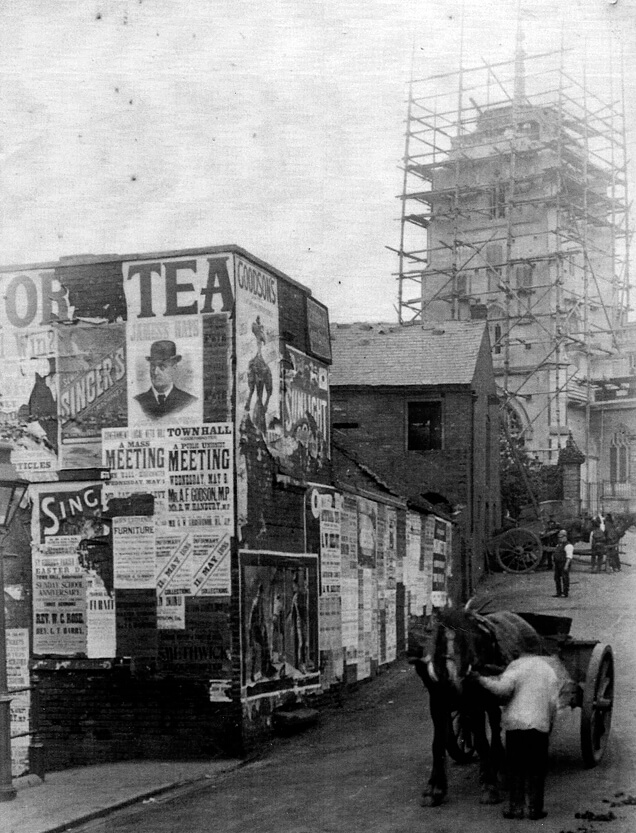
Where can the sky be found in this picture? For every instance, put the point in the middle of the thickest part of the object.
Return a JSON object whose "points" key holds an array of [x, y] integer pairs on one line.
{"points": [[132, 126]]}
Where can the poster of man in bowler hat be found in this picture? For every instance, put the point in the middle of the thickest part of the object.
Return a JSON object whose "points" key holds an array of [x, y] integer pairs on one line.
{"points": [[163, 397]]}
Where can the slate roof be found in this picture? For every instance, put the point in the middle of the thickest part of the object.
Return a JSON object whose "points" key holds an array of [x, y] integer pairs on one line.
{"points": [[416, 354], [345, 460]]}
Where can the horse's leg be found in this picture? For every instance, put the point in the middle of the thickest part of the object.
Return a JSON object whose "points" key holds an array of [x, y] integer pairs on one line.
{"points": [[487, 761], [497, 750], [435, 791]]}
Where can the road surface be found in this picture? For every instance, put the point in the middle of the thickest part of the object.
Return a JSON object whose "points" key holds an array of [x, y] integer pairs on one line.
{"points": [[363, 768]]}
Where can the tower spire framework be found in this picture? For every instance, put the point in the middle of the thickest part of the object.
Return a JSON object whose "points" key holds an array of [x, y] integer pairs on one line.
{"points": [[515, 209]]}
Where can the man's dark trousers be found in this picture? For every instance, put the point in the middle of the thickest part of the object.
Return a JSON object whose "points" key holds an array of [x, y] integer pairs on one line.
{"points": [[561, 578], [527, 764]]}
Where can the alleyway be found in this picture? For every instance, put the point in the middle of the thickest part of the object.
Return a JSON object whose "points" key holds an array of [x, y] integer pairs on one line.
{"points": [[363, 767]]}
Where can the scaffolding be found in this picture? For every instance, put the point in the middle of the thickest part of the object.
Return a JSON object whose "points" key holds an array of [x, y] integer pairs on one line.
{"points": [[515, 210]]}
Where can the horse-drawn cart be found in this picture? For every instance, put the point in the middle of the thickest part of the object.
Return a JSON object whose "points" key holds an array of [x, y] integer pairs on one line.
{"points": [[518, 550], [586, 673], [522, 548]]}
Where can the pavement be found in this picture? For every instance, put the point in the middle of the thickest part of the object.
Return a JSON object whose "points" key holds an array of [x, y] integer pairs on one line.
{"points": [[77, 796]]}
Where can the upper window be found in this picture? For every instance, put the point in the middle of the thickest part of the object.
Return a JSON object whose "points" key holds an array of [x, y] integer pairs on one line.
{"points": [[424, 426], [496, 344], [498, 201], [619, 457], [523, 274], [494, 259], [495, 316], [463, 285]]}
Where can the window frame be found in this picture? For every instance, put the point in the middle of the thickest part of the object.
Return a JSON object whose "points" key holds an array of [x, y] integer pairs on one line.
{"points": [[524, 277], [438, 404], [619, 454], [498, 201], [494, 257]]}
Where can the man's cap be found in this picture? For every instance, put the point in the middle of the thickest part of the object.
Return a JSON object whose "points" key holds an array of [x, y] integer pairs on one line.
{"points": [[563, 532], [530, 642], [163, 351]]}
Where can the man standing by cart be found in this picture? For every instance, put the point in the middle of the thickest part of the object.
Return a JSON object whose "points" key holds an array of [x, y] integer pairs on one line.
{"points": [[530, 689], [562, 558], [597, 543]]}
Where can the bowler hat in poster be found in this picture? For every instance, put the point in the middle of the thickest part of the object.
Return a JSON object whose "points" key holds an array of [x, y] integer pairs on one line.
{"points": [[163, 351]]}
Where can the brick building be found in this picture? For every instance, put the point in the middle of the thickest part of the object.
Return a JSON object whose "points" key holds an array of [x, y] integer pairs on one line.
{"points": [[187, 564], [417, 404]]}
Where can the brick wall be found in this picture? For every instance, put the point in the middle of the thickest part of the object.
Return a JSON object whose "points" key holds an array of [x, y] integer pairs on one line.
{"points": [[381, 440], [91, 717], [458, 472]]}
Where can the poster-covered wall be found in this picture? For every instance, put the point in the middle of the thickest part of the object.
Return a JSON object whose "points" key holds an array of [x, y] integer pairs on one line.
{"points": [[257, 371], [148, 400], [324, 536], [304, 446], [178, 446], [189, 471], [17, 657], [441, 561], [72, 571], [350, 533], [414, 578], [349, 578], [389, 647], [134, 396], [257, 348], [92, 389], [30, 301], [279, 621]]}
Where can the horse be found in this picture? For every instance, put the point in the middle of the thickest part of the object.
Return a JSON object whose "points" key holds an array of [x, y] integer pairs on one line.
{"points": [[620, 523], [463, 641], [580, 529]]}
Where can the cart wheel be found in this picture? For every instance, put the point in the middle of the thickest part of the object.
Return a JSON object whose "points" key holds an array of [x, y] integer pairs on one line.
{"points": [[518, 551], [459, 738], [598, 700]]}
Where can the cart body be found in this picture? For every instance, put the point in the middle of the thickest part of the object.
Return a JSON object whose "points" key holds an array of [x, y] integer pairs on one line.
{"points": [[523, 547], [588, 682], [585, 669]]}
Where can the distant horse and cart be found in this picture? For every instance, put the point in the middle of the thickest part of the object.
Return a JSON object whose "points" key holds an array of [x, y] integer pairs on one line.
{"points": [[529, 542]]}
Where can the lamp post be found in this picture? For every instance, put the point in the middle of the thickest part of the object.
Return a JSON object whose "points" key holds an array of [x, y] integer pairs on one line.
{"points": [[12, 489]]}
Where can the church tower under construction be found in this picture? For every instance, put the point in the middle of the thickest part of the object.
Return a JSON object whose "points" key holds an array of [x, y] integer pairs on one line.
{"points": [[515, 210]]}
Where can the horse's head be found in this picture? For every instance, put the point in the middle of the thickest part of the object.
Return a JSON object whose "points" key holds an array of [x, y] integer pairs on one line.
{"points": [[461, 643], [623, 522]]}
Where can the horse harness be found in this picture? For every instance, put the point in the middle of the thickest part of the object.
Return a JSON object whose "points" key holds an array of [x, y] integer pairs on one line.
{"points": [[486, 628]]}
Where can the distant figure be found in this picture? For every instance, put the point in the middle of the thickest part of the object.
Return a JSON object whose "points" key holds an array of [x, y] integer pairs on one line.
{"points": [[562, 557], [597, 542], [612, 537], [530, 690], [163, 397]]}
